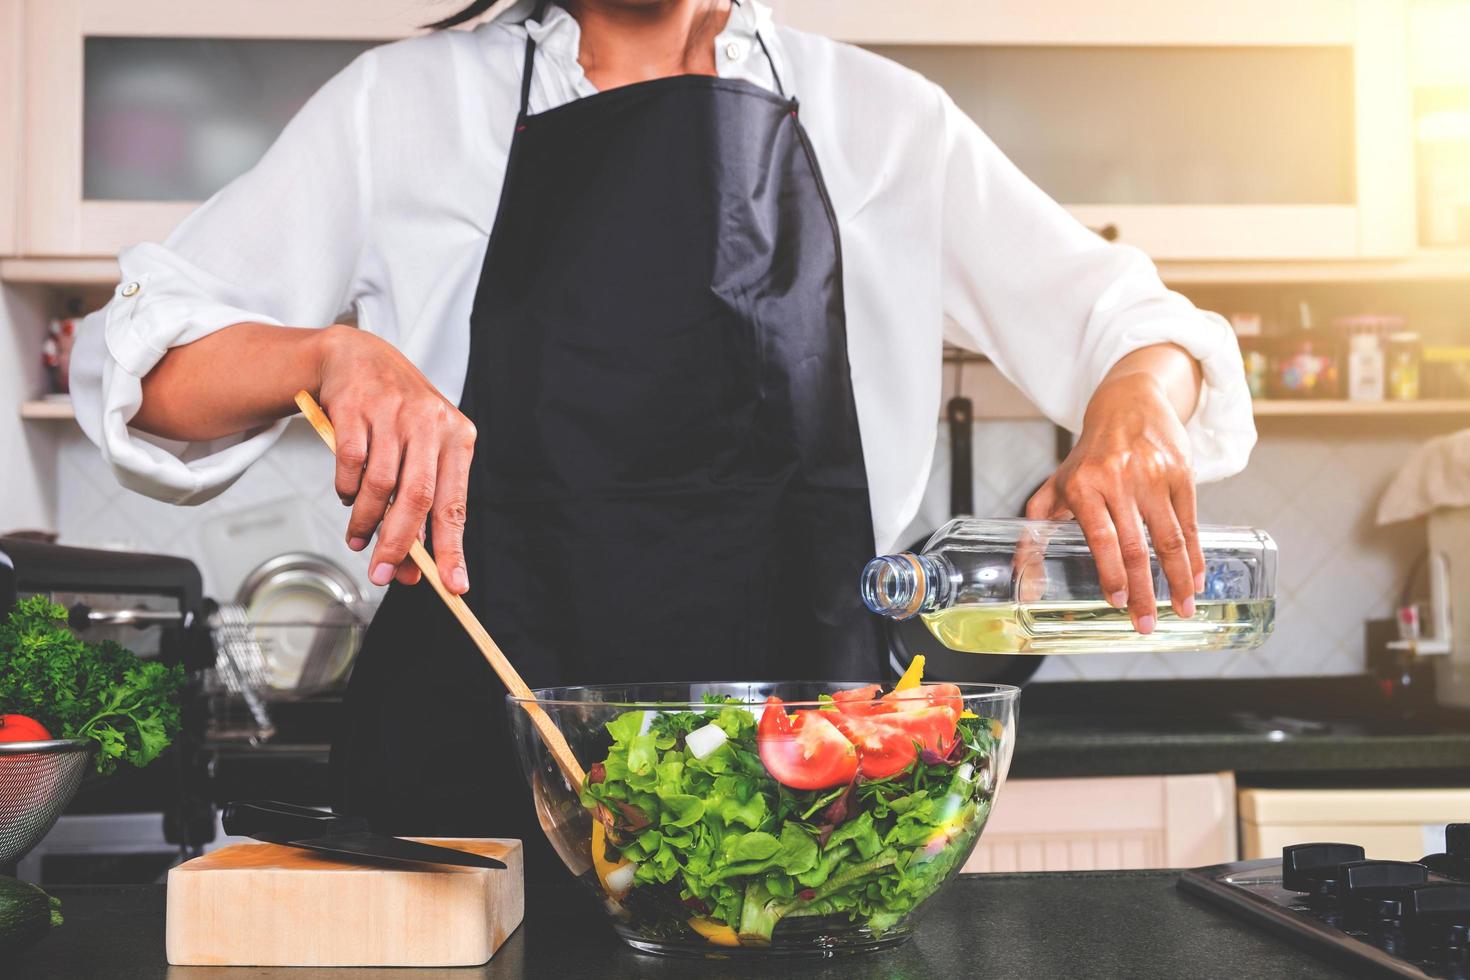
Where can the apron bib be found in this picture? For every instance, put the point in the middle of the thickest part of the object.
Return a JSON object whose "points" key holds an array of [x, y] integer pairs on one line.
{"points": [[668, 482]]}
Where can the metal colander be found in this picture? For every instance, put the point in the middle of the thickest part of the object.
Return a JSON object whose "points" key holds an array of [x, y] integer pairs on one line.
{"points": [[37, 781]]}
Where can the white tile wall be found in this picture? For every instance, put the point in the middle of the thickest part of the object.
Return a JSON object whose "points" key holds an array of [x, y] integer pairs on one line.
{"points": [[1314, 492], [286, 500]]}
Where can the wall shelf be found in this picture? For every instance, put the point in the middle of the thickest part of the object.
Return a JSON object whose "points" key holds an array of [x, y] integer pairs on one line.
{"points": [[91, 271], [47, 409], [1288, 408], [1428, 265]]}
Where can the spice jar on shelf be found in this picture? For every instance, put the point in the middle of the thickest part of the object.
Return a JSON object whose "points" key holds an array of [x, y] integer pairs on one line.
{"points": [[1365, 368], [1444, 372], [1403, 366], [1253, 351], [1306, 361], [1365, 358]]}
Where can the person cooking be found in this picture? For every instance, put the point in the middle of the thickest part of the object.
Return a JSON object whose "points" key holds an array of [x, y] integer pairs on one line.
{"points": [[650, 297]]}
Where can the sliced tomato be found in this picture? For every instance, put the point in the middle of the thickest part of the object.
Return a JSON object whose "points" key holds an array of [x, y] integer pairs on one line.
{"points": [[889, 731], [865, 700], [859, 700], [884, 749], [805, 750], [946, 696]]}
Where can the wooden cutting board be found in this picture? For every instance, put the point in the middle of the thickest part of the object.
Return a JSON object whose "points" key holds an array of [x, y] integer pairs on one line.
{"points": [[271, 905]]}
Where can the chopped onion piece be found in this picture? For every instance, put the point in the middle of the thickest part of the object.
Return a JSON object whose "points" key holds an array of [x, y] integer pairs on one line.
{"points": [[620, 879], [703, 741]]}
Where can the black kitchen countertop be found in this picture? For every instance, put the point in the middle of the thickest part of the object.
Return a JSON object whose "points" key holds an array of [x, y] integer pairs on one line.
{"points": [[1301, 730], [1132, 924]]}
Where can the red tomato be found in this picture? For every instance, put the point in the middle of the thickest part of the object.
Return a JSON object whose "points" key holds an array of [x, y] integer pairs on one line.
{"points": [[945, 696], [805, 751], [859, 700], [889, 731], [884, 749], [19, 728]]}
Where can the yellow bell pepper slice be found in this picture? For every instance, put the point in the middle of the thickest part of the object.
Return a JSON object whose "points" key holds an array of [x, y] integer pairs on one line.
{"points": [[603, 866], [716, 932], [913, 676]]}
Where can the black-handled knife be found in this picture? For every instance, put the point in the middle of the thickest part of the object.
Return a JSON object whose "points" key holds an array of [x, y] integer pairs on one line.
{"points": [[318, 830]]}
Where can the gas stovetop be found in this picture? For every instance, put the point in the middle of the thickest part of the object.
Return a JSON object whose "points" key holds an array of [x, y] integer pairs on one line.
{"points": [[1395, 918]]}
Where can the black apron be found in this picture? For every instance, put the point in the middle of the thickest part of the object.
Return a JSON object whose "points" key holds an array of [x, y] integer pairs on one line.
{"points": [[668, 482]]}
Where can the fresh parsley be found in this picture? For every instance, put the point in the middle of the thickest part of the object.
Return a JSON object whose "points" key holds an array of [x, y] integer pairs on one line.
{"points": [[101, 691]]}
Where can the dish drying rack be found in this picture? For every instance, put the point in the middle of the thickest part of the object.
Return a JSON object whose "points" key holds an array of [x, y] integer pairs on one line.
{"points": [[241, 686]]}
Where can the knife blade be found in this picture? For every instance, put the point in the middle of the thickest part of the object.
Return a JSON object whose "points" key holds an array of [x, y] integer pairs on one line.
{"points": [[329, 833]]}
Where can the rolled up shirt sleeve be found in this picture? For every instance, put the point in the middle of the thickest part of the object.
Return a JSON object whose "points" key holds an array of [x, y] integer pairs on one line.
{"points": [[1055, 307], [279, 245]]}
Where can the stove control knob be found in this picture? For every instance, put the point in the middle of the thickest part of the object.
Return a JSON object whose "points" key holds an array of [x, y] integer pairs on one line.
{"points": [[1378, 889], [1437, 917], [1357, 879], [1437, 898], [1313, 867], [1450, 865]]}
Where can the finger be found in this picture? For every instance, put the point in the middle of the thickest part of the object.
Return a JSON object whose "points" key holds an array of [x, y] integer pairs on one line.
{"points": [[408, 571], [411, 502], [1028, 568], [1133, 547], [1102, 541], [352, 452], [379, 478], [1173, 553], [1186, 510], [1043, 502], [448, 518]]}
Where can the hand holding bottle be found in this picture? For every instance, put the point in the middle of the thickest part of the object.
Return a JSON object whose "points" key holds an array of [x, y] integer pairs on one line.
{"points": [[1128, 481]]}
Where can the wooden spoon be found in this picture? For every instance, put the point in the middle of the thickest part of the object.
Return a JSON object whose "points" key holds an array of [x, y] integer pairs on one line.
{"points": [[552, 735]]}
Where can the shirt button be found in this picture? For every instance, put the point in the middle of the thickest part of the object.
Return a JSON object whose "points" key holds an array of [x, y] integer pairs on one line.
{"points": [[131, 289], [732, 51]]}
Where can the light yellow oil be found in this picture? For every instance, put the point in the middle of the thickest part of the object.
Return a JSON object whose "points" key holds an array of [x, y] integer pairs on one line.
{"points": [[1096, 627]]}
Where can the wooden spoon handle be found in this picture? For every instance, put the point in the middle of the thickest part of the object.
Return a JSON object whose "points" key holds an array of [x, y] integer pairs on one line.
{"points": [[508, 675]]}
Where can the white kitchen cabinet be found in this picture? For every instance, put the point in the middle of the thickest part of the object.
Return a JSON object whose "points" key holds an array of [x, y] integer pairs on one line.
{"points": [[1200, 131], [1390, 824], [134, 111], [1109, 823], [10, 103]]}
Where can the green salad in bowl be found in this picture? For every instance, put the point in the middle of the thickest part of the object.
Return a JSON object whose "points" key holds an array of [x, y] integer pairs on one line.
{"points": [[766, 818]]}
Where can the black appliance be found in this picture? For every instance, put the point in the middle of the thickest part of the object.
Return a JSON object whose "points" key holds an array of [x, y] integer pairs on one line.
{"points": [[1383, 918], [154, 606]]}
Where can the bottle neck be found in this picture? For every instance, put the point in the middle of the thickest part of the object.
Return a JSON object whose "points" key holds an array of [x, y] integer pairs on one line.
{"points": [[906, 585]]}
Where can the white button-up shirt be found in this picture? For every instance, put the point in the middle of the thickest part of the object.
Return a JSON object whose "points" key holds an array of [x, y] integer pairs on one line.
{"points": [[378, 199]]}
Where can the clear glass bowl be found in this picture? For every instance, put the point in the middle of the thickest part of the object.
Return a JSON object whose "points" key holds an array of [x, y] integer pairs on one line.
{"points": [[712, 856]]}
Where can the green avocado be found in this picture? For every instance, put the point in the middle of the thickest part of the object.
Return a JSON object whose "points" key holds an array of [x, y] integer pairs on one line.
{"points": [[26, 915]]}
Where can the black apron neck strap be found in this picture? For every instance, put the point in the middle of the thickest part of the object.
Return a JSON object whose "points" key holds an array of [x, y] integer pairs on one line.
{"points": [[775, 75], [530, 60]]}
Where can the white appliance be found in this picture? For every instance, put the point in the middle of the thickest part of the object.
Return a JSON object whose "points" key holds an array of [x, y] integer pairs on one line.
{"points": [[1447, 637], [1449, 594]]}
